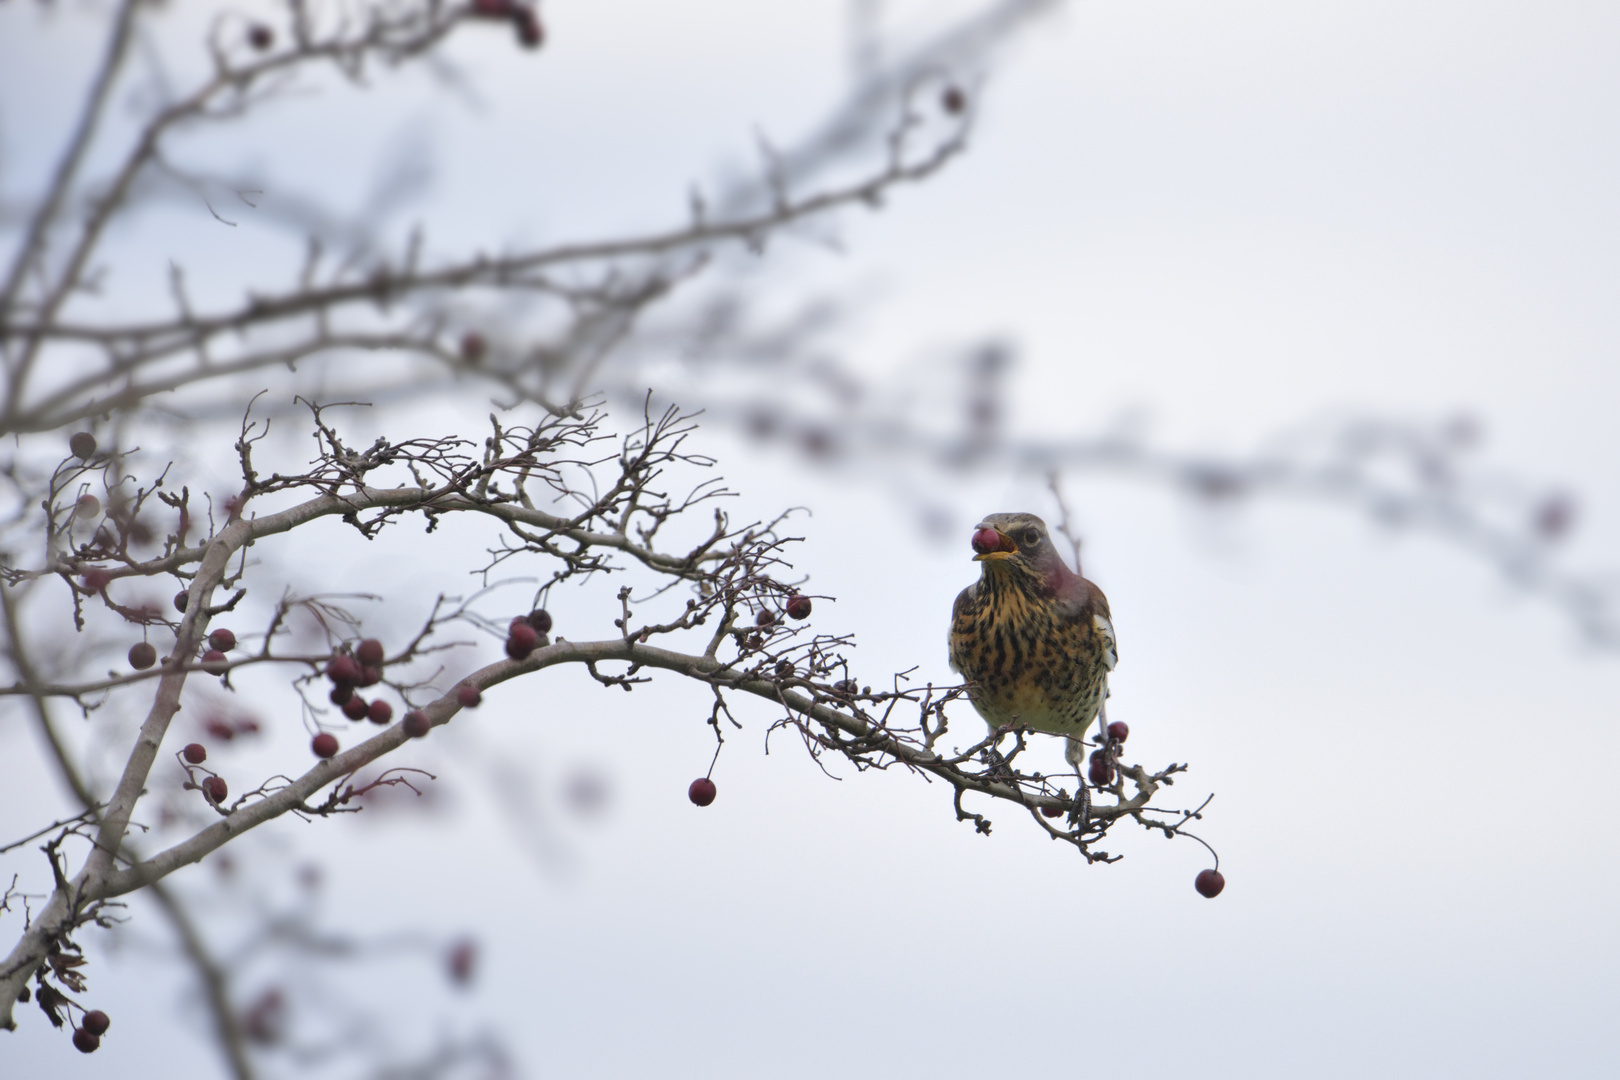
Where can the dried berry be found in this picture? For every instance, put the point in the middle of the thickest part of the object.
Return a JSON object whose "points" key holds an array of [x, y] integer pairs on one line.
{"points": [[797, 607], [766, 617]]}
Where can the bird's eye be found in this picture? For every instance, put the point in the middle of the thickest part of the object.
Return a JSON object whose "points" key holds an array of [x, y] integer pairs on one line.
{"points": [[1032, 537]]}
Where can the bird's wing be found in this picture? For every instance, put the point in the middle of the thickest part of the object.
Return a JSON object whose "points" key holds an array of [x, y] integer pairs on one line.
{"points": [[1080, 599], [956, 609]]}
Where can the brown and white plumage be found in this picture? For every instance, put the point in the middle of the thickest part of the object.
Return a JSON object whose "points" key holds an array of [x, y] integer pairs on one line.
{"points": [[1033, 639]]}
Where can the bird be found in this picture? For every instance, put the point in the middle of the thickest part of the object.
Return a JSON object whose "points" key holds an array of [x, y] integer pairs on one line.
{"points": [[1033, 639]]}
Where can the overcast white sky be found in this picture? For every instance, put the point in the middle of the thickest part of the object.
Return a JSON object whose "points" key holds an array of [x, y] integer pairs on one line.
{"points": [[1236, 216]]}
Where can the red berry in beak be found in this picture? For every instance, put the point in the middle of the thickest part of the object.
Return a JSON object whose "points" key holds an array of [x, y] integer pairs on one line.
{"points": [[986, 540]]}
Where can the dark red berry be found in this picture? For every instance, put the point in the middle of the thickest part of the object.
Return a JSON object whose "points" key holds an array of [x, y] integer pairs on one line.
{"points": [[196, 753], [529, 33], [766, 617], [473, 346], [142, 655], [1118, 731], [96, 579], [540, 619], [1052, 811], [219, 729], [260, 36], [356, 708], [85, 1041], [341, 693], [213, 660], [343, 669], [214, 787], [1209, 883], [222, 639], [95, 1022], [369, 652], [1101, 772], [797, 607], [180, 599], [417, 725], [522, 639], [325, 744], [380, 712], [702, 791], [88, 506], [468, 696], [953, 100], [370, 676], [83, 445], [986, 540], [461, 961]]}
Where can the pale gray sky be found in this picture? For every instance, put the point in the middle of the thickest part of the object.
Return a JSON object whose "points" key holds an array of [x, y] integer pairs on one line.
{"points": [[1237, 216]]}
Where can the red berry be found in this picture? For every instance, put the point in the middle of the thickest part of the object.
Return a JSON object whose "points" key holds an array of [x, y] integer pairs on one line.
{"points": [[463, 956], [214, 787], [142, 655], [529, 34], [86, 1041], [213, 660], [96, 579], [468, 696], [702, 791], [1101, 772], [260, 36], [222, 639], [370, 676], [1209, 883], [380, 712], [417, 725], [522, 639], [369, 652], [83, 444], [219, 729], [196, 753], [95, 1022], [88, 506], [540, 619], [343, 669], [1118, 731], [953, 100], [356, 708], [1051, 811], [341, 693], [180, 599], [986, 540], [493, 9], [473, 344], [325, 744], [766, 617], [797, 607]]}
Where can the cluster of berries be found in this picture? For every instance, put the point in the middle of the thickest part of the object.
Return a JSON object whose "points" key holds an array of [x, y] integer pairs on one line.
{"points": [[527, 633]]}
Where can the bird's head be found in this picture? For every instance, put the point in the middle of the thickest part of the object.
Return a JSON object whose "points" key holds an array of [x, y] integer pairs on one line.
{"points": [[1016, 542]]}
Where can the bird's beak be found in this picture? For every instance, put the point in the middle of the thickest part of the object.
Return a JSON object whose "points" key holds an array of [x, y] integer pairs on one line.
{"points": [[1006, 548]]}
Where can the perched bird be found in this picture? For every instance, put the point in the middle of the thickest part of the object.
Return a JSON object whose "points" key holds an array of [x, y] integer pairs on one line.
{"points": [[1032, 638]]}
